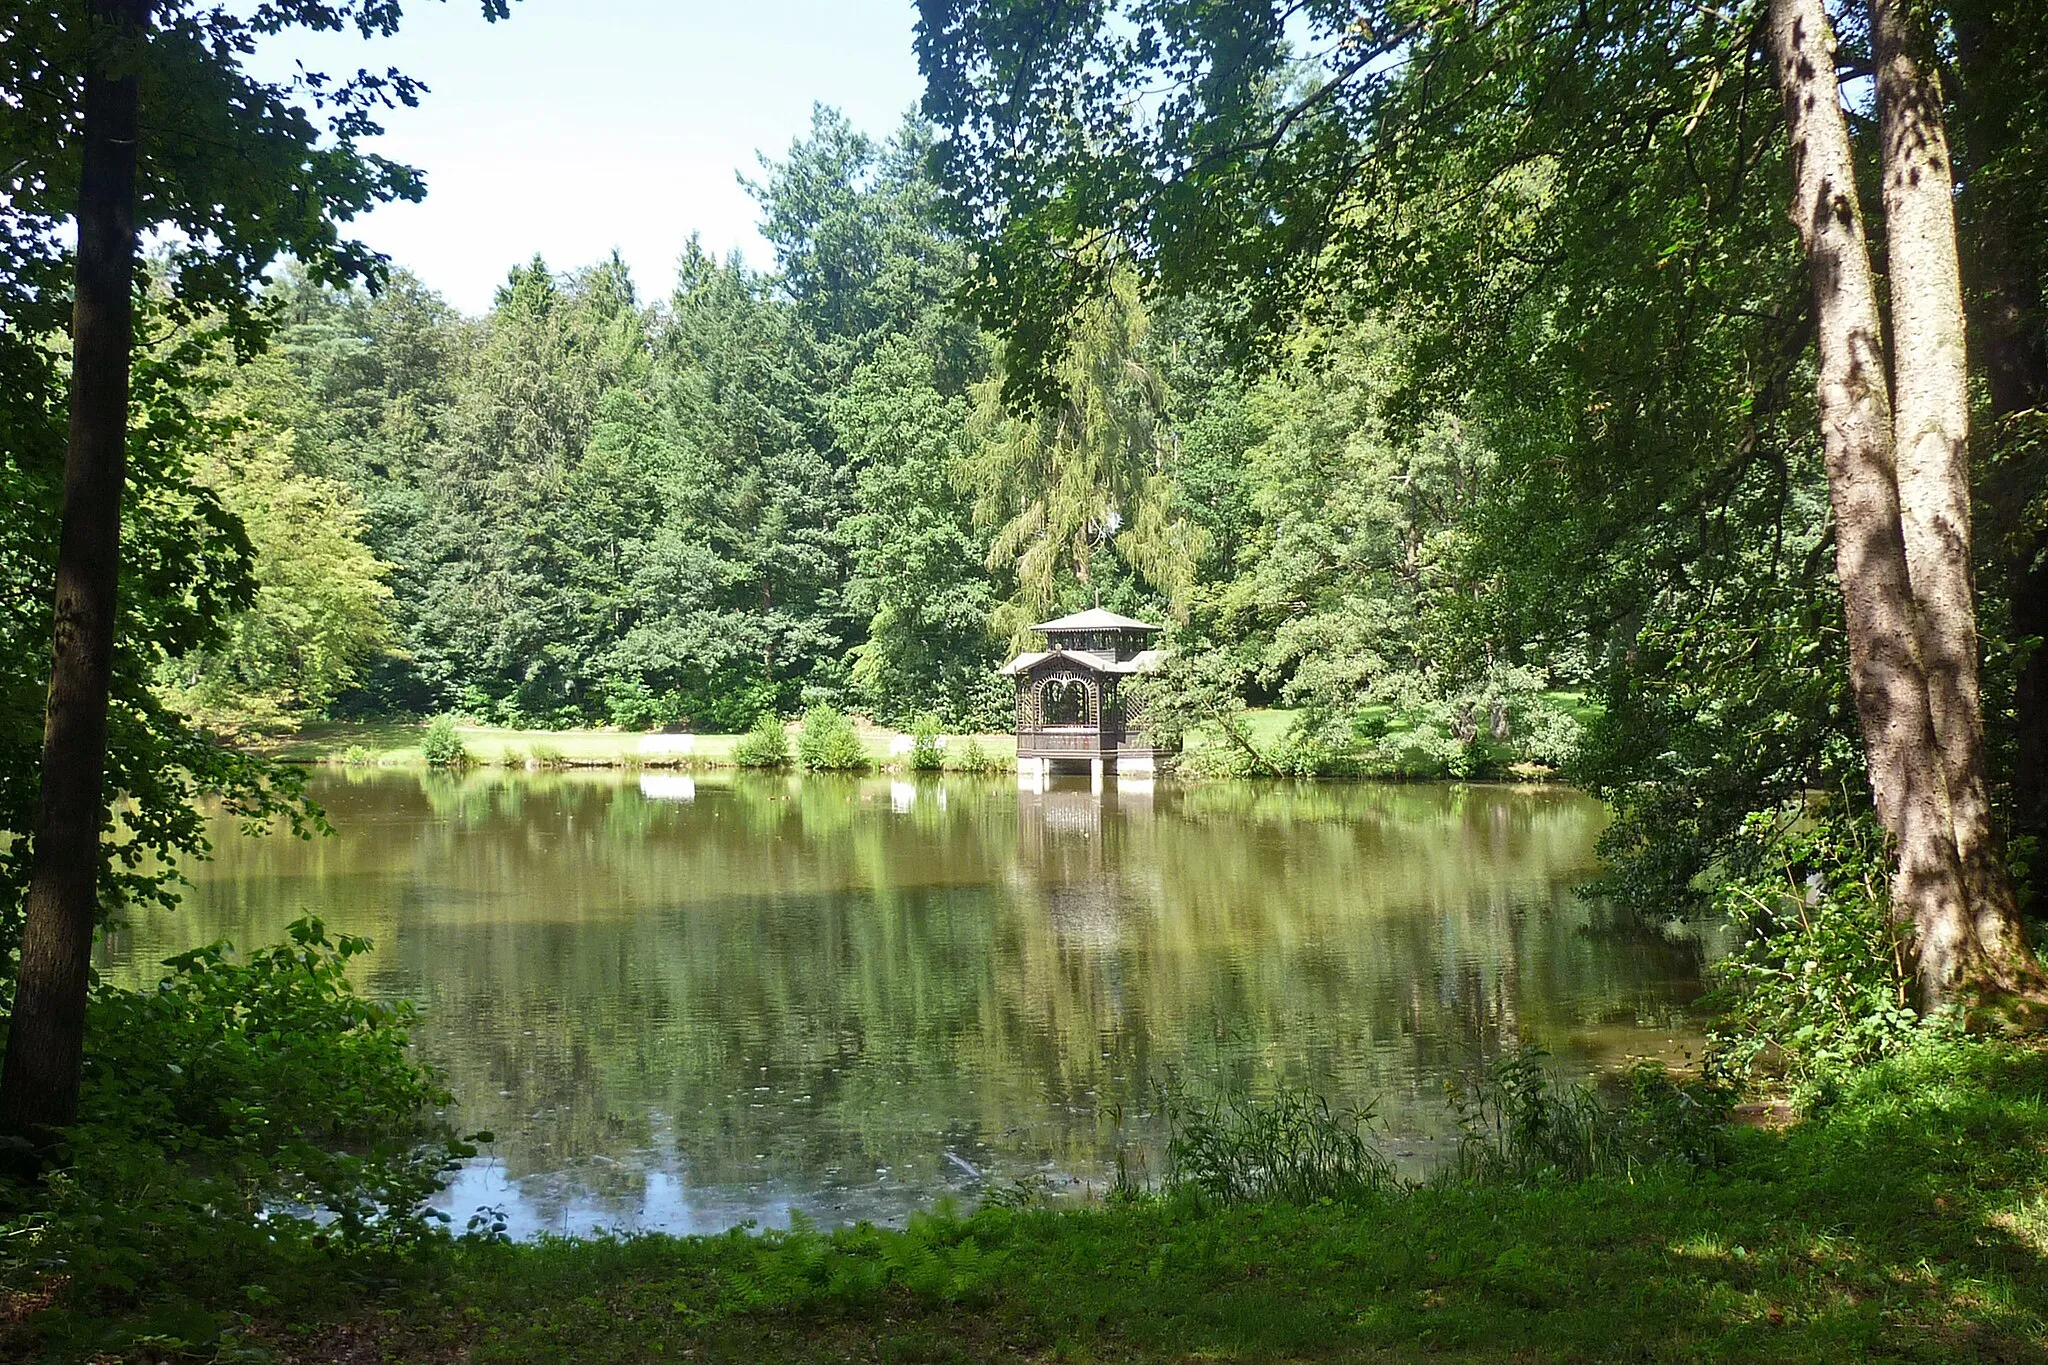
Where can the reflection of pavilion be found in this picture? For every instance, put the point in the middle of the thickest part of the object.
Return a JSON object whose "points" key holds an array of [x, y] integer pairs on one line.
{"points": [[1060, 845], [1071, 704], [1073, 854]]}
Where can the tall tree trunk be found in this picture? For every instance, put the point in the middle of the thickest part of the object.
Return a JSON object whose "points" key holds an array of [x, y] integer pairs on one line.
{"points": [[1931, 437], [1870, 555], [46, 1037]]}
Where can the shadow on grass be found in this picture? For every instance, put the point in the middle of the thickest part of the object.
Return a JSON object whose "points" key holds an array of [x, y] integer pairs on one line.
{"points": [[1909, 1222]]}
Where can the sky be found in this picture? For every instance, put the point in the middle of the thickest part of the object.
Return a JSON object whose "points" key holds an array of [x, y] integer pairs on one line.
{"points": [[579, 126]]}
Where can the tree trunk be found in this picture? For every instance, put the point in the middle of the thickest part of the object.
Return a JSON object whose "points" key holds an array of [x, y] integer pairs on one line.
{"points": [[46, 1037], [1885, 673], [1931, 437]]}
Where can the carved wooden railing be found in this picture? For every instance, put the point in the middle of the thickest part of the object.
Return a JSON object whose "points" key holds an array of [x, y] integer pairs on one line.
{"points": [[1079, 741]]}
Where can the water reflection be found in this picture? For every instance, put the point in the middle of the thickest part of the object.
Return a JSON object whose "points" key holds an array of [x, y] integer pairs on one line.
{"points": [[684, 1002]]}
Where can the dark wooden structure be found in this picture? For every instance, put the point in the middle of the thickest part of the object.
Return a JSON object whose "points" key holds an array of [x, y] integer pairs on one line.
{"points": [[1072, 705]]}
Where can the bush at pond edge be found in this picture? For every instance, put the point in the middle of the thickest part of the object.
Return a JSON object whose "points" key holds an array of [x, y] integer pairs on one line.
{"points": [[764, 746], [828, 743], [442, 745], [250, 1130]]}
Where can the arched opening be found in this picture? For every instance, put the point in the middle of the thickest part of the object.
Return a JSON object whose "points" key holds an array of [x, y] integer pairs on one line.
{"points": [[1064, 702]]}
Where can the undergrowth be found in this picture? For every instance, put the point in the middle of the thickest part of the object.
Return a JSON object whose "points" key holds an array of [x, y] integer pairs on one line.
{"points": [[1906, 1224], [441, 745], [251, 1130], [1293, 1148], [828, 743], [1817, 985]]}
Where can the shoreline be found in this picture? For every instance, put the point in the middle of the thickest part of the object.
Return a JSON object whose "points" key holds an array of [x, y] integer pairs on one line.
{"points": [[395, 744]]}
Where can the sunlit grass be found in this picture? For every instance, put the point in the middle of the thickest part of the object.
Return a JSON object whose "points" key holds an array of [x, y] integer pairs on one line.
{"points": [[390, 743], [1904, 1224]]}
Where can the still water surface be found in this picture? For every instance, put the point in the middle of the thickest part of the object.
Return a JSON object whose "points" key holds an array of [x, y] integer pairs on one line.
{"points": [[681, 1003]]}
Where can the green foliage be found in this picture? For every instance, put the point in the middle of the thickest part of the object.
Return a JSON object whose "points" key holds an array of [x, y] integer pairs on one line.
{"points": [[1918, 1191], [1819, 982], [1614, 482], [185, 571], [675, 514], [1518, 1124], [972, 758], [764, 746], [829, 744], [234, 170], [319, 613], [632, 705], [916, 559], [1085, 472], [358, 756], [441, 744], [1293, 1148], [927, 746], [249, 1130]]}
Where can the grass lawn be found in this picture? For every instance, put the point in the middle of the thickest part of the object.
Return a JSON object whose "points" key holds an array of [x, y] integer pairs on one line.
{"points": [[1911, 1223], [1266, 727], [398, 743]]}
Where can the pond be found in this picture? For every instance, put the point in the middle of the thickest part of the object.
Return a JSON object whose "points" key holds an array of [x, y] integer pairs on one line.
{"points": [[682, 1002]]}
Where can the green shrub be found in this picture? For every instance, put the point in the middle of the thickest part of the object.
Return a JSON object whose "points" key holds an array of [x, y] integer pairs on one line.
{"points": [[441, 746], [828, 743], [1819, 982], [631, 704], [764, 746], [1673, 1118], [548, 756], [975, 759], [927, 748], [250, 1129], [359, 757]]}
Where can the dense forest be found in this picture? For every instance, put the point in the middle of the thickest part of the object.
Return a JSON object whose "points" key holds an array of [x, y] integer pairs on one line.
{"points": [[762, 492], [1645, 394]]}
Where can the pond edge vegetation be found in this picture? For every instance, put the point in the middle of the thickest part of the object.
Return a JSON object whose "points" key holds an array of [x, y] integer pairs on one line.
{"points": [[278, 1195]]}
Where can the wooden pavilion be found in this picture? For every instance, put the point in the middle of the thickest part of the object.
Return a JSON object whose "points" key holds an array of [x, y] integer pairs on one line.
{"points": [[1072, 707]]}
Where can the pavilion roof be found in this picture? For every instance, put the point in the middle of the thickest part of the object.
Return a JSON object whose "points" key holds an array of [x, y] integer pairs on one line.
{"points": [[1146, 661], [1095, 618]]}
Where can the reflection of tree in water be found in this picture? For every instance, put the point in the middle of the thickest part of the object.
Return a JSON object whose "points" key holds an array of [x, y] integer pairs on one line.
{"points": [[792, 980]]}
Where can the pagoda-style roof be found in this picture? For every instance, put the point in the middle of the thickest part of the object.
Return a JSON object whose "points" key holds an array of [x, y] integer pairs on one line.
{"points": [[1147, 661], [1095, 618]]}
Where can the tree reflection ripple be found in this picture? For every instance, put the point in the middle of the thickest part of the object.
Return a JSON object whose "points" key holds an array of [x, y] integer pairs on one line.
{"points": [[687, 1002]]}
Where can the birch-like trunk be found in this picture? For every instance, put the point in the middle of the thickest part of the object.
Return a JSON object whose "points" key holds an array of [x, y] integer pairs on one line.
{"points": [[1931, 436], [1885, 673]]}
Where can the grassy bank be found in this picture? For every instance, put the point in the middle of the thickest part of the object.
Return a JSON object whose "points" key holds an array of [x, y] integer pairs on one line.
{"points": [[1910, 1222], [396, 743]]}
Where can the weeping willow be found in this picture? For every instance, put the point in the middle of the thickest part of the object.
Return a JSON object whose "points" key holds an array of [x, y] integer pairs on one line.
{"points": [[1090, 472]]}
